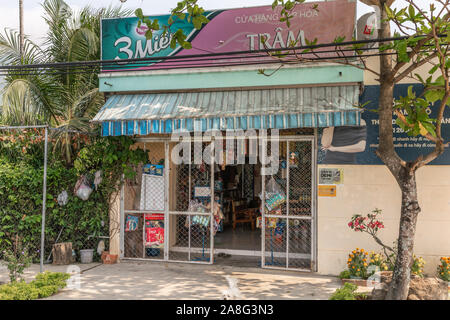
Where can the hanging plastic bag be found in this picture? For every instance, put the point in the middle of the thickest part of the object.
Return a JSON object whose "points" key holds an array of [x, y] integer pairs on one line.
{"points": [[83, 188], [63, 198], [98, 178]]}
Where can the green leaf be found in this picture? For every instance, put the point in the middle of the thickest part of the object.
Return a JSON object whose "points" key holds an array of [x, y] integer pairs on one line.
{"points": [[274, 4], [186, 45], [402, 51], [138, 12], [433, 70], [420, 78], [411, 12], [389, 12], [411, 94], [149, 34], [430, 128], [440, 81], [434, 95], [197, 23]]}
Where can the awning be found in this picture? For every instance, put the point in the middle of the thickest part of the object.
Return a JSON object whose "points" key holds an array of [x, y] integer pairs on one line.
{"points": [[280, 108]]}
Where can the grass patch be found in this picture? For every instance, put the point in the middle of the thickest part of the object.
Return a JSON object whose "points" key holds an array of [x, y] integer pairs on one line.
{"points": [[46, 284], [348, 292]]}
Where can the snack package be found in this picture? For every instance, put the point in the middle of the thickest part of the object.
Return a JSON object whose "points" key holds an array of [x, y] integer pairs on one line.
{"points": [[154, 231], [274, 195], [131, 223]]}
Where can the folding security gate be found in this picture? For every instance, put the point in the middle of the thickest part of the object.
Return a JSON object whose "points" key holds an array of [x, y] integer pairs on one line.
{"points": [[191, 223], [289, 208], [173, 207]]}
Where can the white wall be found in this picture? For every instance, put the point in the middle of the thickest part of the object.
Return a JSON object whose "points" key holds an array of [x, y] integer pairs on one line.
{"points": [[366, 187]]}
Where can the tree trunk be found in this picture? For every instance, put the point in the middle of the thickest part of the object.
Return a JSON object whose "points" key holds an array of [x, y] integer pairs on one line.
{"points": [[399, 286]]}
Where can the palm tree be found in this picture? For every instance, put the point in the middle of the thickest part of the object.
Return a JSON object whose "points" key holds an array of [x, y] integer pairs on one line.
{"points": [[66, 100]]}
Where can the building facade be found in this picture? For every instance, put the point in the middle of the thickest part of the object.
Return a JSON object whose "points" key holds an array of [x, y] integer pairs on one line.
{"points": [[267, 166]]}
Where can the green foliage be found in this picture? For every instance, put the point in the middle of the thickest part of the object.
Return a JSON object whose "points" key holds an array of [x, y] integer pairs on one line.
{"points": [[443, 270], [21, 193], [345, 274], [417, 266], [187, 10], [286, 9], [348, 292], [45, 285], [414, 118]]}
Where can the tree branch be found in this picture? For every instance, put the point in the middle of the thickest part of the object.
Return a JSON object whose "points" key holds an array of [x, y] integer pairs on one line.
{"points": [[414, 66]]}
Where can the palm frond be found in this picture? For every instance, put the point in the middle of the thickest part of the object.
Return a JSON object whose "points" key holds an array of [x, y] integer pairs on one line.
{"points": [[21, 104], [10, 49]]}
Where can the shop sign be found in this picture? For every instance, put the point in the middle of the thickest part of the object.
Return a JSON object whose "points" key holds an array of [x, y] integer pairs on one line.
{"points": [[327, 191], [331, 176], [228, 30]]}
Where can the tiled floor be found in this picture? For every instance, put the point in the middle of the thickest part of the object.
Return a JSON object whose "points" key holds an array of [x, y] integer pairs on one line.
{"points": [[242, 238]]}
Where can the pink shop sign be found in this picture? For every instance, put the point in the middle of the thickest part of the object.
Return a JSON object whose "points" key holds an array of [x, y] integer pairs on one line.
{"points": [[231, 30]]}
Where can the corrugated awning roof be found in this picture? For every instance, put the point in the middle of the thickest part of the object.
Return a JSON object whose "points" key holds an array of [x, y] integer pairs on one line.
{"points": [[281, 108]]}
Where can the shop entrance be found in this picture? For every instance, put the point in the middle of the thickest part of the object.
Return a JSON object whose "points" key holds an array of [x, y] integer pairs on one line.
{"points": [[260, 213], [288, 214], [238, 188]]}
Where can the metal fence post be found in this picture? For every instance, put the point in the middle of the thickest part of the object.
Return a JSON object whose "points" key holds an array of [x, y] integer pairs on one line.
{"points": [[44, 198]]}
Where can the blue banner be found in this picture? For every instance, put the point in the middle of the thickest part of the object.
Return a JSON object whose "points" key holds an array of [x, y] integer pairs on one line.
{"points": [[347, 145]]}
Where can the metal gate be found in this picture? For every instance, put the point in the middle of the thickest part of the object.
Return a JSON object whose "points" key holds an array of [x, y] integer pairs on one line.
{"points": [[288, 221], [191, 222]]}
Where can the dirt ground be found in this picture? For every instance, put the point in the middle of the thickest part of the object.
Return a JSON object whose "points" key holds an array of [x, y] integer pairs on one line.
{"points": [[173, 281]]}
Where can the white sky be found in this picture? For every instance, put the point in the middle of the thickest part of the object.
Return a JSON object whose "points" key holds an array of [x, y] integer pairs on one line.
{"points": [[36, 28]]}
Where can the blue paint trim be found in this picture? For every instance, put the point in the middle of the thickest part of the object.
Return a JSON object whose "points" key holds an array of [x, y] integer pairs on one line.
{"points": [[105, 129], [117, 128], [278, 121]]}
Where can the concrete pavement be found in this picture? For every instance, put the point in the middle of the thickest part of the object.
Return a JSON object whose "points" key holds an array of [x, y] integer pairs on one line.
{"points": [[172, 281]]}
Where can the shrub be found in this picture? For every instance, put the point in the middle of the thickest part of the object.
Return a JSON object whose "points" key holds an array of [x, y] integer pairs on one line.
{"points": [[357, 264], [371, 225], [348, 292], [344, 274], [21, 175], [378, 262], [444, 269], [45, 285], [16, 261], [417, 266]]}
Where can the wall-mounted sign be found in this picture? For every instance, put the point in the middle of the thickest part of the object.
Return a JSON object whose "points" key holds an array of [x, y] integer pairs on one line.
{"points": [[327, 191], [331, 176], [228, 30]]}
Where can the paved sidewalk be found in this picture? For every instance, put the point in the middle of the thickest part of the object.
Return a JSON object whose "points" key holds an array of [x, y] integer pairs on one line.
{"points": [[152, 280]]}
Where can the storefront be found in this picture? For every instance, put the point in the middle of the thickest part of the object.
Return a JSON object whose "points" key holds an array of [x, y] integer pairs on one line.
{"points": [[244, 184], [236, 165]]}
